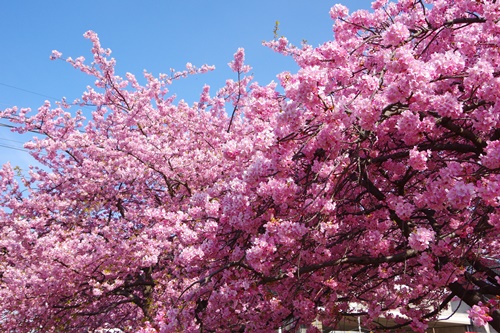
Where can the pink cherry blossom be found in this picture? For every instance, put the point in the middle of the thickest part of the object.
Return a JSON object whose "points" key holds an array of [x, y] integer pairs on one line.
{"points": [[421, 238], [479, 315], [492, 157], [338, 10], [55, 55], [396, 34], [418, 159], [237, 64]]}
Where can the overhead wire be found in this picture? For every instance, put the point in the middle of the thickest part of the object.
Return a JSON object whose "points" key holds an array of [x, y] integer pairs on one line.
{"points": [[26, 90], [6, 146], [13, 148], [16, 141]]}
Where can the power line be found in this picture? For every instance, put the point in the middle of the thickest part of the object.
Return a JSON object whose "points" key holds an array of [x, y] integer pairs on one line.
{"points": [[16, 141], [27, 91], [10, 146], [14, 148], [12, 126]]}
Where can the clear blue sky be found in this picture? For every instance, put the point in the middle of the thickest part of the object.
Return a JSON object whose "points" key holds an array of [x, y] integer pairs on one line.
{"points": [[144, 35]]}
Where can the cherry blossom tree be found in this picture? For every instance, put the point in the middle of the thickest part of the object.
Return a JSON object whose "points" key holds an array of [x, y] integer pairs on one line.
{"points": [[367, 184]]}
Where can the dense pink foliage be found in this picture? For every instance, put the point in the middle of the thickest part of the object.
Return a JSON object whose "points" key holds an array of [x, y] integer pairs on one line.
{"points": [[368, 181]]}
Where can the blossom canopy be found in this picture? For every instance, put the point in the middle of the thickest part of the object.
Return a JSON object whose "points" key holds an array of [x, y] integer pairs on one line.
{"points": [[368, 181]]}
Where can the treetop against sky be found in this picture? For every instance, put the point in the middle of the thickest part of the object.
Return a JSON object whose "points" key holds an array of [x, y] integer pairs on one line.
{"points": [[154, 36]]}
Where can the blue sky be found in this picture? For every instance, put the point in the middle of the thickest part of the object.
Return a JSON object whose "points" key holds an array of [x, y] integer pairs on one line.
{"points": [[146, 35]]}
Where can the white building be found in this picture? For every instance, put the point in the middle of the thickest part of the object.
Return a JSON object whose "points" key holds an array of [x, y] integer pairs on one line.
{"points": [[453, 319]]}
